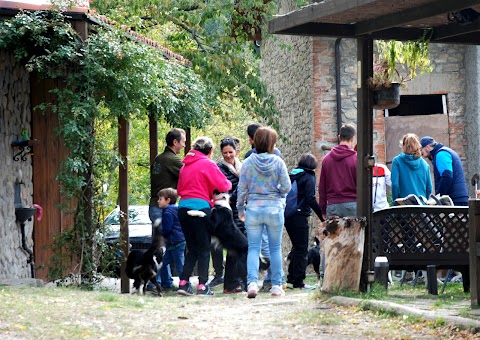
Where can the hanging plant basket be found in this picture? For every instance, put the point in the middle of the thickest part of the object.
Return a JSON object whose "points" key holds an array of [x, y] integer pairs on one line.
{"points": [[387, 97]]}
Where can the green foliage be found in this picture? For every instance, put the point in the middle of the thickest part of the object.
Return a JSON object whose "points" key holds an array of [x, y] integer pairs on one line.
{"points": [[210, 34], [105, 77], [400, 61]]}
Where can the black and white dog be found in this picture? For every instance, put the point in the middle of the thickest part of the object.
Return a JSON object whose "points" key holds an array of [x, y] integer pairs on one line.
{"points": [[143, 267], [225, 234]]}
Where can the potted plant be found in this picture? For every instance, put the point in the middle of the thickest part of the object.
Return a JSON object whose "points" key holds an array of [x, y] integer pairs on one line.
{"points": [[396, 63]]}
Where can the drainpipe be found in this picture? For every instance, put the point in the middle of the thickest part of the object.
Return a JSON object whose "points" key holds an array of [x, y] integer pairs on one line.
{"points": [[337, 84], [24, 246]]}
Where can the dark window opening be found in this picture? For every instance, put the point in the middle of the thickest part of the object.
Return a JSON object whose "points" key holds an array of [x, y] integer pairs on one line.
{"points": [[418, 105]]}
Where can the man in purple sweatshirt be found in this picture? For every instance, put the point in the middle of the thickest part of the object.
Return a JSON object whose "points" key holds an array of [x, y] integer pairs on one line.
{"points": [[338, 177]]}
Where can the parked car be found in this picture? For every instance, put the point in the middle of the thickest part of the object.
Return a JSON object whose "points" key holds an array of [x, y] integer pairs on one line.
{"points": [[139, 227], [140, 237]]}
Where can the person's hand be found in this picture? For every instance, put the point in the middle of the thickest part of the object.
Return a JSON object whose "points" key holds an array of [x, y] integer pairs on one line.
{"points": [[241, 218]]}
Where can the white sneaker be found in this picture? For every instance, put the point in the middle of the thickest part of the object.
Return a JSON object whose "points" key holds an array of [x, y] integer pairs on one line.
{"points": [[252, 290], [277, 291]]}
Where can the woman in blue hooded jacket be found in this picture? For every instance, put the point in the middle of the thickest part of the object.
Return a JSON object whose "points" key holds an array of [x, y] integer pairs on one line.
{"points": [[297, 225], [410, 172]]}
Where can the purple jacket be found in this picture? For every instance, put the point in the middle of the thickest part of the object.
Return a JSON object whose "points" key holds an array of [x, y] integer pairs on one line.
{"points": [[338, 177]]}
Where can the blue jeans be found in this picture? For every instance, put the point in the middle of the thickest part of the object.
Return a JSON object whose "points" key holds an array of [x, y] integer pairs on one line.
{"points": [[155, 214], [256, 220], [342, 209], [177, 255], [266, 254]]}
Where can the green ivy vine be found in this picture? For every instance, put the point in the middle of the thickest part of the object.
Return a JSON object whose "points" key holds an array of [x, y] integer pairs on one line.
{"points": [[106, 76]]}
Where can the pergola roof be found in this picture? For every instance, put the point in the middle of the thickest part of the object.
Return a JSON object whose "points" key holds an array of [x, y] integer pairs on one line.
{"points": [[449, 21]]}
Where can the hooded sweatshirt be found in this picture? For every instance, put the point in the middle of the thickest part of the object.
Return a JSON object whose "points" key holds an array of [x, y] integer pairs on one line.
{"points": [[264, 181], [410, 175], [338, 177], [306, 191], [199, 178]]}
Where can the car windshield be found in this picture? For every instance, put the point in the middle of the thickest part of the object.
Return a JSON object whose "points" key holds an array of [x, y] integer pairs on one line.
{"points": [[137, 215]]}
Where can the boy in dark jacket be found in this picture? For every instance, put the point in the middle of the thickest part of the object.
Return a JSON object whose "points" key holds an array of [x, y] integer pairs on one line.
{"points": [[173, 234]]}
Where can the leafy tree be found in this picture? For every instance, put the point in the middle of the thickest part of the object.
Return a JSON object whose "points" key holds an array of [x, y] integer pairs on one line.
{"points": [[214, 35]]}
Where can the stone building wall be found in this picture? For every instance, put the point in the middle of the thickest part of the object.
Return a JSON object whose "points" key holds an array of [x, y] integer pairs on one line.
{"points": [[14, 115], [292, 89], [289, 78]]}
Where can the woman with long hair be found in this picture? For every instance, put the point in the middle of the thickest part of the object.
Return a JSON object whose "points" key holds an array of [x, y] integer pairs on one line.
{"points": [[264, 183]]}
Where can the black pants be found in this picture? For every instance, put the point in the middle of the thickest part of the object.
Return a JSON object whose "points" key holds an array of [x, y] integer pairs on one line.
{"points": [[197, 237], [298, 230]]}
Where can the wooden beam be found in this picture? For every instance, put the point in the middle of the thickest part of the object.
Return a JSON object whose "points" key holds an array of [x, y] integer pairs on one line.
{"points": [[153, 137], [123, 198], [321, 29], [365, 148], [312, 13], [453, 30], [401, 18], [399, 33], [473, 239]]}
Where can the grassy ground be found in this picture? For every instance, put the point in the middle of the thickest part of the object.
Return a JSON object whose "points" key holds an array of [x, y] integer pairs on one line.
{"points": [[72, 313]]}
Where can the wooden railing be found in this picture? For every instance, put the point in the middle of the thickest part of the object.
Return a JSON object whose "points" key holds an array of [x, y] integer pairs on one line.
{"points": [[413, 237]]}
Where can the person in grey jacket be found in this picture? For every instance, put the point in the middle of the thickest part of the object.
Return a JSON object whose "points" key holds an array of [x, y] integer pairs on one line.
{"points": [[264, 183]]}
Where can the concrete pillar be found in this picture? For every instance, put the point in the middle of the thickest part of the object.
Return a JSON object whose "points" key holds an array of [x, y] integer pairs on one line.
{"points": [[472, 113]]}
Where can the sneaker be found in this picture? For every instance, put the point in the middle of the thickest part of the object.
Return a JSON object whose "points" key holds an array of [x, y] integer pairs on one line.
{"points": [[306, 287], [277, 291], [185, 289], [217, 280], [252, 290], [204, 290], [266, 287]]}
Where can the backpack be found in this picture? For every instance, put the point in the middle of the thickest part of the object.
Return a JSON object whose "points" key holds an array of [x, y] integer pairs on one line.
{"points": [[292, 200]]}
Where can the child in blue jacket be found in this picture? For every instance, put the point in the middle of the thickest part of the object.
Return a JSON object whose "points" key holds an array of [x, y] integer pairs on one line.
{"points": [[173, 234]]}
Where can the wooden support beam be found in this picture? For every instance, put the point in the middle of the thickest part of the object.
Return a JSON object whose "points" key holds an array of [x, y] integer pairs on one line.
{"points": [[123, 198], [320, 29], [365, 147], [401, 18], [312, 13], [153, 137], [454, 30], [474, 240]]}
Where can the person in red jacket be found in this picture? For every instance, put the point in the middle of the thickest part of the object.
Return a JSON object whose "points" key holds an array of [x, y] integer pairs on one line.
{"points": [[199, 178], [338, 177]]}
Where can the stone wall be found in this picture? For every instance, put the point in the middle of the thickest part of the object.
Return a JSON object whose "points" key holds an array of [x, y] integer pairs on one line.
{"points": [[291, 80], [14, 115], [286, 67]]}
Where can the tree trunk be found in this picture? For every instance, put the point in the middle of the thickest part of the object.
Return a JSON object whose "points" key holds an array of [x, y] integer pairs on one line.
{"points": [[343, 254]]}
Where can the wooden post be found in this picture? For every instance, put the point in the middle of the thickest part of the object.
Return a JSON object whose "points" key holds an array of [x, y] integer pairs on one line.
{"points": [[365, 149], [153, 136], [123, 198], [474, 244], [343, 254]]}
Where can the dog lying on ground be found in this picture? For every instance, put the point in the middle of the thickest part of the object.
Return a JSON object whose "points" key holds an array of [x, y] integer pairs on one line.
{"points": [[143, 267], [313, 257]]}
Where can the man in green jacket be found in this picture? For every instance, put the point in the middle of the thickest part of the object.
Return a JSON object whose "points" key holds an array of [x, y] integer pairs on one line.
{"points": [[164, 173]]}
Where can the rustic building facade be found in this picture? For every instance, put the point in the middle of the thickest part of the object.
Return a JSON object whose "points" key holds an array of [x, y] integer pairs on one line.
{"points": [[300, 72]]}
